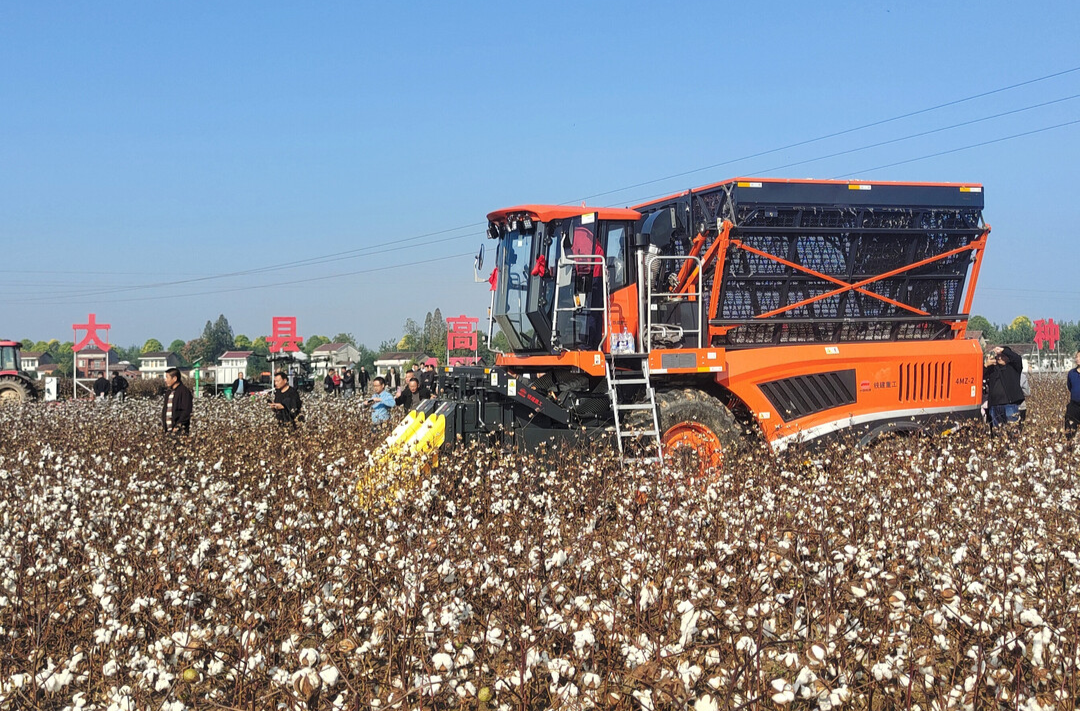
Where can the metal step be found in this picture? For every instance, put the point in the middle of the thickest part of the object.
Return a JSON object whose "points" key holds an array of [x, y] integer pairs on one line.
{"points": [[643, 406], [629, 381], [639, 433]]}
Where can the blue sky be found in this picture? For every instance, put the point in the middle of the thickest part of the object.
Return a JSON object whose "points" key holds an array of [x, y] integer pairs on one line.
{"points": [[143, 143]]}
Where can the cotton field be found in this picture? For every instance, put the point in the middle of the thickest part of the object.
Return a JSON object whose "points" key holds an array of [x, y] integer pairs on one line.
{"points": [[235, 569]]}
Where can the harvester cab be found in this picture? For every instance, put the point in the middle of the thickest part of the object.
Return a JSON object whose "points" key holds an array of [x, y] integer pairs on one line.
{"points": [[797, 309], [15, 385]]}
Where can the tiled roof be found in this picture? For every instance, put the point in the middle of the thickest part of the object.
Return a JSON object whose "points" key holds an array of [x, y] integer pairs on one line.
{"points": [[156, 354], [402, 355], [329, 347], [235, 354]]}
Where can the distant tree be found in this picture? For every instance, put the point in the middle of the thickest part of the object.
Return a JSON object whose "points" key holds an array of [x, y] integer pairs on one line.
{"points": [[1021, 330], [65, 359], [367, 357], [314, 342], [194, 350], [989, 330], [152, 345], [242, 342], [387, 346], [27, 344], [345, 338], [434, 340], [176, 346], [260, 346], [54, 346], [218, 338], [130, 353], [412, 338], [40, 347]]}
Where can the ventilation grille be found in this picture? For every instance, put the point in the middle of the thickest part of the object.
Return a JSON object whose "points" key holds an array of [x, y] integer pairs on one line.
{"points": [[806, 394], [923, 382]]}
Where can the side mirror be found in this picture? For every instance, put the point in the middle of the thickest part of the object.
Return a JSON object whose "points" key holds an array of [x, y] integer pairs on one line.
{"points": [[478, 262]]}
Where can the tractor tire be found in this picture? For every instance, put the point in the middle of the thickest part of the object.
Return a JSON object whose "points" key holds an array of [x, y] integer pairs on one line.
{"points": [[13, 392], [698, 424]]}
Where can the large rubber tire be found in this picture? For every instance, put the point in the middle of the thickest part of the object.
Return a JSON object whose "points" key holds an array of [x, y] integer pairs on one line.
{"points": [[694, 419], [13, 392]]}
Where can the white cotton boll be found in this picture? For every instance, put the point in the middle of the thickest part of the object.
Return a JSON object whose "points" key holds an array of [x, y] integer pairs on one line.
{"points": [[590, 680], [329, 676], [649, 594], [442, 662], [644, 698], [784, 697], [706, 703], [308, 657], [817, 652], [56, 681], [110, 668], [583, 638], [1031, 618], [857, 591]]}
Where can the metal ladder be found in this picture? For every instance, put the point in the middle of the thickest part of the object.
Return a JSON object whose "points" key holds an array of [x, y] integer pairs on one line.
{"points": [[629, 380]]}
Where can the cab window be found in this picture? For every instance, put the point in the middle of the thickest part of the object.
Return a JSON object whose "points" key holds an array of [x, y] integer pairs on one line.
{"points": [[615, 249]]}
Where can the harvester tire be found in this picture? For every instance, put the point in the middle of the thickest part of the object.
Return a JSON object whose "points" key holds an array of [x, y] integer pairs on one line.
{"points": [[693, 418], [13, 392]]}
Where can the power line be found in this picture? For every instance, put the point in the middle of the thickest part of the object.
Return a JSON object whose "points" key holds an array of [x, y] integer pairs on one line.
{"points": [[962, 148], [831, 135], [275, 285], [312, 261], [374, 249]]}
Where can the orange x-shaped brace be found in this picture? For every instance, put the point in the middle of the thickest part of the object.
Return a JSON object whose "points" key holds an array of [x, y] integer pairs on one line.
{"points": [[857, 286]]}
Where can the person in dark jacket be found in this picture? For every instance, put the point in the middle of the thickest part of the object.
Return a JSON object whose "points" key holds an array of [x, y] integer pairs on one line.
{"points": [[348, 383], [1072, 410], [330, 382], [286, 404], [362, 379], [413, 395], [427, 377], [239, 387], [1003, 391], [119, 387], [101, 387], [177, 407]]}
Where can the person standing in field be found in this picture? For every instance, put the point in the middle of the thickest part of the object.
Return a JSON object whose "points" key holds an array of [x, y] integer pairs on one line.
{"points": [[382, 403], [119, 387], [177, 407], [286, 404], [362, 379], [1004, 393], [1072, 410]]}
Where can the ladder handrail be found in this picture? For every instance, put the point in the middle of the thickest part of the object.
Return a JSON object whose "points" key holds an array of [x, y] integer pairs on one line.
{"points": [[650, 295], [613, 387]]}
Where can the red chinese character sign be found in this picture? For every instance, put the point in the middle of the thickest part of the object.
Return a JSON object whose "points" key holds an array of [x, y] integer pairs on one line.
{"points": [[461, 335], [1047, 332], [90, 365], [283, 336], [91, 327]]}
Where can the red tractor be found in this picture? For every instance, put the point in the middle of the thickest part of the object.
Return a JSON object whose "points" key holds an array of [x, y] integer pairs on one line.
{"points": [[15, 385]]}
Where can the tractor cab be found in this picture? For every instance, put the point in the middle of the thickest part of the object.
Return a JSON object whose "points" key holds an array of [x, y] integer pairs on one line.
{"points": [[10, 360], [15, 385], [557, 268]]}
